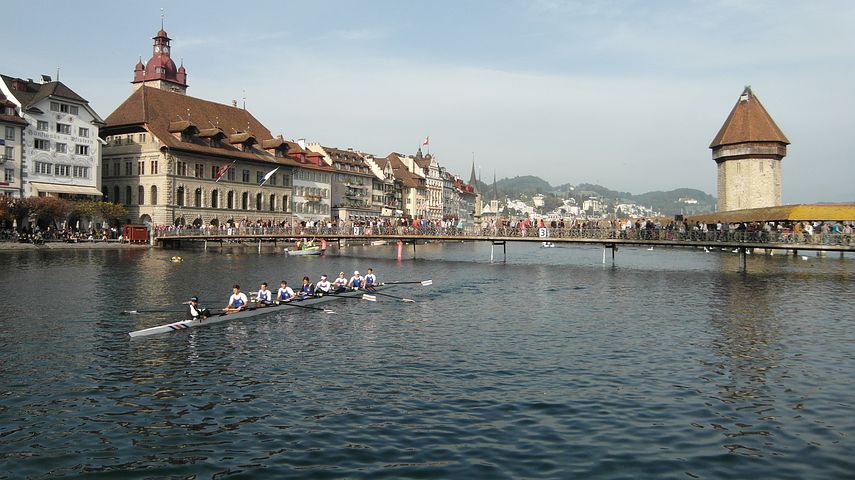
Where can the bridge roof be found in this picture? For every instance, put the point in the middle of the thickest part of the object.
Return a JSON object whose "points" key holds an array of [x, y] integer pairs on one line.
{"points": [[794, 213]]}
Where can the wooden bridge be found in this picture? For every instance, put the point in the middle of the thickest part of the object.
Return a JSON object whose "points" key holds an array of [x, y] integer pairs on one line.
{"points": [[741, 241]]}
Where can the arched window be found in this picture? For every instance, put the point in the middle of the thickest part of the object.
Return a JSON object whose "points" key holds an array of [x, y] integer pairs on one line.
{"points": [[230, 200], [272, 205], [215, 199], [141, 195], [153, 197], [179, 197], [128, 194], [244, 201], [197, 198], [284, 203], [116, 198], [258, 198]]}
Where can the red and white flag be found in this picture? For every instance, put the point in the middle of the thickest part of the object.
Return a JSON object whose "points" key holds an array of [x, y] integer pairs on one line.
{"points": [[222, 171], [426, 141]]}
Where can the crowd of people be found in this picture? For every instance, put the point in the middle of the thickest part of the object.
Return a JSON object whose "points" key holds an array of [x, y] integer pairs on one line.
{"points": [[264, 297]]}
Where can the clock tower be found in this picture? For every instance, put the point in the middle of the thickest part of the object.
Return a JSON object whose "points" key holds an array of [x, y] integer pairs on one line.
{"points": [[160, 71]]}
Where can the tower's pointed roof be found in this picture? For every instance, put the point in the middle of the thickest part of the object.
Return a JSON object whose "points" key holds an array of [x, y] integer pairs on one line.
{"points": [[472, 180], [748, 122]]}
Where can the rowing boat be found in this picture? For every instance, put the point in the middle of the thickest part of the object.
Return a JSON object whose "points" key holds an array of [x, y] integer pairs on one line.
{"points": [[306, 251], [250, 312]]}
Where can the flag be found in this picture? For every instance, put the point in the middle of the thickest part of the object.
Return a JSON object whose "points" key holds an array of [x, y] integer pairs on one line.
{"points": [[222, 171], [426, 141], [267, 177]]}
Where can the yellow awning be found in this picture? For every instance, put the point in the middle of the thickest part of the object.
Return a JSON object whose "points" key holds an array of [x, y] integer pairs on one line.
{"points": [[71, 189]]}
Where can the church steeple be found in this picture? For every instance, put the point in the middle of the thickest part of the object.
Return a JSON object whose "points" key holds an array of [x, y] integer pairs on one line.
{"points": [[472, 179]]}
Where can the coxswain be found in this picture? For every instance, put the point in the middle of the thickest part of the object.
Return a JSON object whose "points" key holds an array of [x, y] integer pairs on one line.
{"points": [[370, 279], [307, 290], [356, 281], [237, 301], [323, 287], [194, 312], [340, 283], [264, 297], [285, 294]]}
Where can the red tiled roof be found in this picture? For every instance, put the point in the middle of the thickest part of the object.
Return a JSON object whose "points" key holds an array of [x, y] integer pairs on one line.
{"points": [[748, 122]]}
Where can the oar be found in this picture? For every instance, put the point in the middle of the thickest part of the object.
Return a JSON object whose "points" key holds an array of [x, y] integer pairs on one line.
{"points": [[292, 304], [138, 312], [405, 300], [423, 282]]}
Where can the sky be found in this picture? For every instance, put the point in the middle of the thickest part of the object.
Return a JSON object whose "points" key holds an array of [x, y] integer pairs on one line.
{"points": [[626, 94]]}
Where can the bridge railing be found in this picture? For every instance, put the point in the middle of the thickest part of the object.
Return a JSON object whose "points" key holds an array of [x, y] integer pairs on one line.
{"points": [[632, 234]]}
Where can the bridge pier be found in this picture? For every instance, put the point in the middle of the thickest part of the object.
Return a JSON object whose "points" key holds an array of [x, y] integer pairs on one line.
{"points": [[504, 250], [613, 248], [743, 260]]}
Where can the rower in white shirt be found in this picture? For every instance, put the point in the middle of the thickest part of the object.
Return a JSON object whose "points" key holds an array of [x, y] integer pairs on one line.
{"points": [[370, 279], [285, 293], [323, 287], [237, 301], [264, 297], [340, 283]]}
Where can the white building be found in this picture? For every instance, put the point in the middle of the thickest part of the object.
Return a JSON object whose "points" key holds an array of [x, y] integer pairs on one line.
{"points": [[61, 150]]}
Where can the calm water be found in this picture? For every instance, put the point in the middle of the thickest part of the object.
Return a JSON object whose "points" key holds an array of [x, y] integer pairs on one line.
{"points": [[668, 365]]}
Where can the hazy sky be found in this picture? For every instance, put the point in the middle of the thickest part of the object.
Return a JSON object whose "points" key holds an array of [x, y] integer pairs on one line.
{"points": [[628, 94]]}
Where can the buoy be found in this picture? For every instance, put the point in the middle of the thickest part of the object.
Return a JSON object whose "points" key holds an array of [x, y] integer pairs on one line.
{"points": [[804, 257], [176, 259]]}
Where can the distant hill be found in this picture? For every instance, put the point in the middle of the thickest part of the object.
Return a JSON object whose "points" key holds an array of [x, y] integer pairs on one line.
{"points": [[671, 202]]}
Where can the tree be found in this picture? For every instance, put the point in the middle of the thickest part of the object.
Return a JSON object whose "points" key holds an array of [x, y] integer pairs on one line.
{"points": [[111, 212], [17, 209], [49, 210]]}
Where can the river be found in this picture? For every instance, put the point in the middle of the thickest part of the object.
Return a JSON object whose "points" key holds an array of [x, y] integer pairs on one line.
{"points": [[668, 364]]}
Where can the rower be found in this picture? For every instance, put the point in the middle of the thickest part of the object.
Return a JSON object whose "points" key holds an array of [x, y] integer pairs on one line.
{"points": [[285, 294], [340, 283], [237, 301], [356, 281], [264, 297], [370, 279], [307, 290], [194, 312], [323, 287]]}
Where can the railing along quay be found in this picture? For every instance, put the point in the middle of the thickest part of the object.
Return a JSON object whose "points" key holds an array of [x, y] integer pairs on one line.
{"points": [[610, 238]]}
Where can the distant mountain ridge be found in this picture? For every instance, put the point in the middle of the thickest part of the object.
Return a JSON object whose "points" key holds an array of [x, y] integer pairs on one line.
{"points": [[670, 202]]}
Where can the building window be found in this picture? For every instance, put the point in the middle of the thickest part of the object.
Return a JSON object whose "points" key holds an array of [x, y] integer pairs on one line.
{"points": [[179, 195], [81, 149], [214, 170], [141, 195], [83, 132], [117, 168], [244, 201], [61, 170], [230, 200], [129, 169], [40, 144], [153, 196], [199, 170], [140, 168], [80, 172], [258, 201], [128, 195], [10, 175], [42, 126], [142, 138], [246, 176], [10, 133], [258, 177], [272, 203], [182, 168], [154, 167], [215, 199], [9, 153], [284, 203], [231, 175], [116, 198], [63, 128], [197, 198]]}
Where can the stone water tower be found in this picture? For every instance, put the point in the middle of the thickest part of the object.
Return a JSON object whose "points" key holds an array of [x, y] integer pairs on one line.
{"points": [[748, 150]]}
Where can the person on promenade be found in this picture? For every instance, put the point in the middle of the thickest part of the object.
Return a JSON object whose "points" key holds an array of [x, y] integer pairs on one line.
{"points": [[323, 287], [370, 279], [237, 301], [340, 283], [194, 312], [264, 297], [285, 293], [307, 290], [356, 281]]}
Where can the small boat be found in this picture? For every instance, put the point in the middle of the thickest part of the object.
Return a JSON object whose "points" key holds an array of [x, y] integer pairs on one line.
{"points": [[377, 243], [313, 250], [547, 245], [250, 312]]}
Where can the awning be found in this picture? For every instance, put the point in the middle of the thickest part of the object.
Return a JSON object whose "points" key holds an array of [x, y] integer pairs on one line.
{"points": [[72, 189]]}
